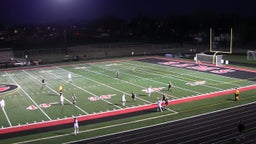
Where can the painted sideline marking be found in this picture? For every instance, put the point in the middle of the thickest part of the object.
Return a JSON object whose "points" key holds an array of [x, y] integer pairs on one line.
{"points": [[110, 126], [55, 92], [7, 117], [29, 96], [117, 112]]}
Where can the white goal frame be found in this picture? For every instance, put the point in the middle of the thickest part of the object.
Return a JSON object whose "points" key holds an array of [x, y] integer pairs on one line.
{"points": [[214, 59], [251, 53]]}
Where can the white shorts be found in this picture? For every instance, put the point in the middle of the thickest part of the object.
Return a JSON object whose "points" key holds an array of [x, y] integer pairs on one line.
{"points": [[76, 125]]}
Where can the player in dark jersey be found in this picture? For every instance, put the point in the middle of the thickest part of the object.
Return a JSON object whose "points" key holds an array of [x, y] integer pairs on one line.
{"points": [[169, 86], [117, 74], [43, 84], [74, 99], [165, 99], [133, 96]]}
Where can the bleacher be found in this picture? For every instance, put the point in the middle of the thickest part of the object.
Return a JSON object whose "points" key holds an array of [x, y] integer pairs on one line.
{"points": [[6, 54]]}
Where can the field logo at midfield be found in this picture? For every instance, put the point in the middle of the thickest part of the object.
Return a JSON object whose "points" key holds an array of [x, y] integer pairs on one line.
{"points": [[31, 107], [4, 88], [153, 89], [204, 68], [82, 67], [45, 71], [43, 105], [113, 64], [222, 71], [196, 83], [102, 97]]}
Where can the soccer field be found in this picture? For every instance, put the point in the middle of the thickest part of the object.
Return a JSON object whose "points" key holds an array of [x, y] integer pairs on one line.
{"points": [[99, 90]]}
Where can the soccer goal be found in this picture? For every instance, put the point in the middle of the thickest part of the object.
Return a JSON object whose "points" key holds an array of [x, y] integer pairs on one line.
{"points": [[251, 55], [207, 58]]}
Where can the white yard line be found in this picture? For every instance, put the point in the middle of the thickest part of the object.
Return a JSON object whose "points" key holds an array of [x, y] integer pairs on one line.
{"points": [[7, 117], [29, 96], [179, 78], [118, 89], [85, 90], [56, 92], [153, 81], [218, 82], [191, 74]]}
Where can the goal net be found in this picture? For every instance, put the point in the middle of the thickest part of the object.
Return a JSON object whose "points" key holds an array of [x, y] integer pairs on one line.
{"points": [[251, 55], [207, 58]]}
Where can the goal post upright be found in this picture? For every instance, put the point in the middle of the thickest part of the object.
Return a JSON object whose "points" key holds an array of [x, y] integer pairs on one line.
{"points": [[210, 39], [230, 43], [216, 47], [214, 59]]}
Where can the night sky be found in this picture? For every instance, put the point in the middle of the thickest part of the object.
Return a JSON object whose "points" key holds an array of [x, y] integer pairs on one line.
{"points": [[59, 11]]}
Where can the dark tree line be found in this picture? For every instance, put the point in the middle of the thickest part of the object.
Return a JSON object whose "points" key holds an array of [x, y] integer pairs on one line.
{"points": [[141, 28]]}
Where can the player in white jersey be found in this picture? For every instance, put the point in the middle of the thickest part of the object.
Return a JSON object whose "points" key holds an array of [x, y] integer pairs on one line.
{"points": [[149, 91], [2, 104], [159, 105], [69, 77], [62, 99], [76, 126], [123, 100]]}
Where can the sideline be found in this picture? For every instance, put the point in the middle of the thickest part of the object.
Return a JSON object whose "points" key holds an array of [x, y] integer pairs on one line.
{"points": [[121, 124], [118, 112], [7, 117]]}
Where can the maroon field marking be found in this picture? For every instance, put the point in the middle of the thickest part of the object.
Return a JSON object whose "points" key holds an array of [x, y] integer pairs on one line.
{"points": [[117, 112]]}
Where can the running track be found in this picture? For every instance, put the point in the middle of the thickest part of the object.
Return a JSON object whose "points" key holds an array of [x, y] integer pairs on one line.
{"points": [[215, 128]]}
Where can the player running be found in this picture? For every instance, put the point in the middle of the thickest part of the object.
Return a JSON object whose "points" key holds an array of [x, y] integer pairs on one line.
{"points": [[74, 98], [133, 96], [61, 99], [2, 104], [117, 74], [169, 86], [149, 91], [76, 126], [165, 99], [69, 77], [43, 84], [237, 93], [123, 100], [60, 89], [159, 105]]}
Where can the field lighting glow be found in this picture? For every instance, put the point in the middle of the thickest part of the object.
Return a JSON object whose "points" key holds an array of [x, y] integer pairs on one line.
{"points": [[63, 1]]}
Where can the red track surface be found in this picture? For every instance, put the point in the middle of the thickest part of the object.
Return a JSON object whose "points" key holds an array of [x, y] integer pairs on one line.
{"points": [[116, 112]]}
